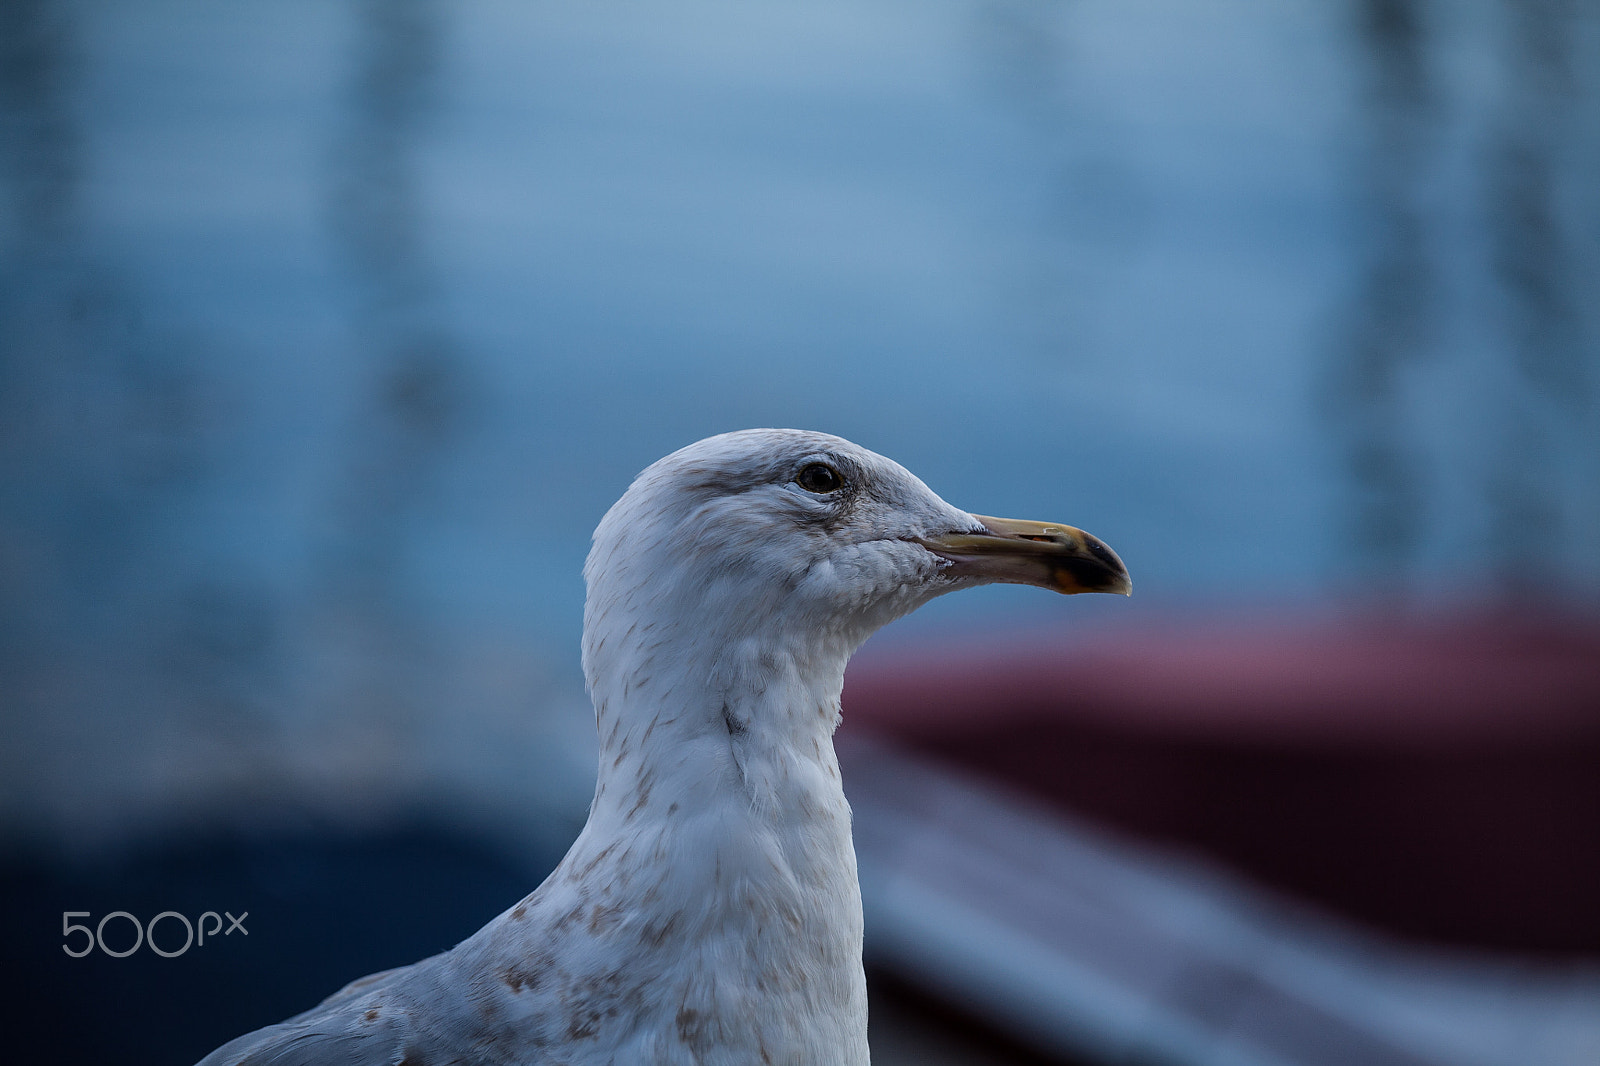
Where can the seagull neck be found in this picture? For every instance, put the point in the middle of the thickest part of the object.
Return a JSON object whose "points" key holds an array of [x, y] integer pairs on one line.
{"points": [[702, 723], [719, 816]]}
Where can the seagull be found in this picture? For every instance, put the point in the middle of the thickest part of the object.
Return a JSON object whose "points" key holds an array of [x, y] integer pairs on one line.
{"points": [[709, 911]]}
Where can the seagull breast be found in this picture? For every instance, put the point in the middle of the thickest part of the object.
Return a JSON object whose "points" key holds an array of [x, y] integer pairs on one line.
{"points": [[709, 911]]}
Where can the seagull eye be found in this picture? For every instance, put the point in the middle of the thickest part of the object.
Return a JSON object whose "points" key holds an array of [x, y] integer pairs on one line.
{"points": [[819, 478]]}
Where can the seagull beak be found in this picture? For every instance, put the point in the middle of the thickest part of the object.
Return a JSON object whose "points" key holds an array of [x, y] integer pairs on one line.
{"points": [[1045, 554]]}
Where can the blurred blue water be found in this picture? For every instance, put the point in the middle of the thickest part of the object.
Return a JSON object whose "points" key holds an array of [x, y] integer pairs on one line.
{"points": [[331, 330]]}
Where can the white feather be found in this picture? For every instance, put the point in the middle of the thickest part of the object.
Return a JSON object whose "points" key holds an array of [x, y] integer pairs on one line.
{"points": [[709, 912]]}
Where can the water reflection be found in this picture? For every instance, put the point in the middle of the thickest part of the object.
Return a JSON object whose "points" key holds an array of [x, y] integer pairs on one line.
{"points": [[1088, 205], [412, 408], [375, 201], [989, 210], [1388, 331], [1531, 402], [1539, 120], [101, 415], [42, 158], [112, 642]]}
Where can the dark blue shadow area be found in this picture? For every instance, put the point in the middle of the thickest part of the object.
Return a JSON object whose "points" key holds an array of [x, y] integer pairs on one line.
{"points": [[324, 908]]}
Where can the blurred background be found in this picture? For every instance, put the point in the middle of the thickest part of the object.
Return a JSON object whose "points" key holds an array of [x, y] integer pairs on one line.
{"points": [[328, 331]]}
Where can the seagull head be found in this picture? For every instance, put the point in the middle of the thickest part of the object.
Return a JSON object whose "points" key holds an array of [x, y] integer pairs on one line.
{"points": [[804, 544]]}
